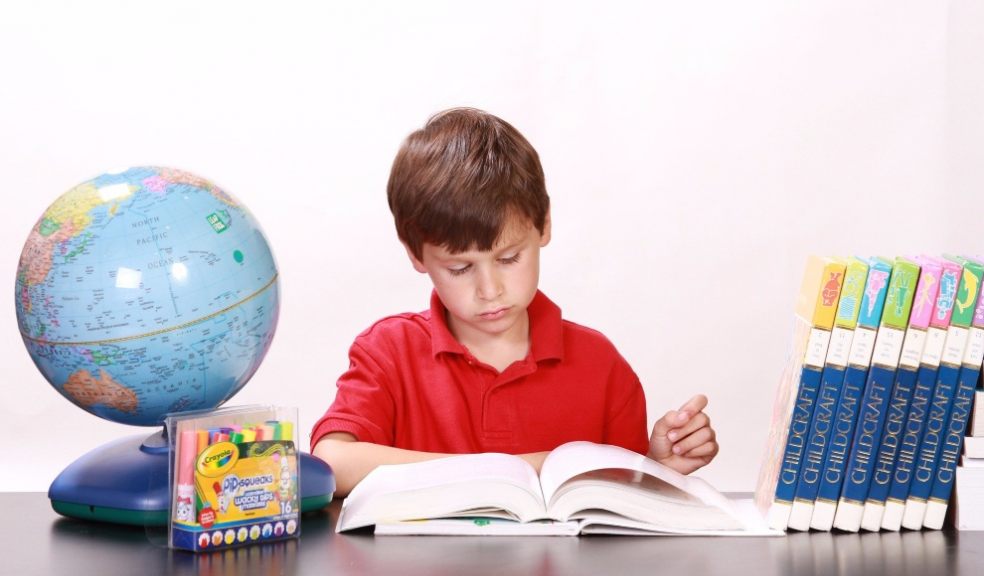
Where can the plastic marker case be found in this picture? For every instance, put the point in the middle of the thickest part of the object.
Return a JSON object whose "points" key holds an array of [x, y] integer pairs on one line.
{"points": [[234, 478]]}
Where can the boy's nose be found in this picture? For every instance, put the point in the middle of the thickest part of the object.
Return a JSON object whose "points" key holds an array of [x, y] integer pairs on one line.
{"points": [[489, 285]]}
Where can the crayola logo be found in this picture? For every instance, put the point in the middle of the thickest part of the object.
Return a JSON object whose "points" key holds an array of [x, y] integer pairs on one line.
{"points": [[217, 459]]}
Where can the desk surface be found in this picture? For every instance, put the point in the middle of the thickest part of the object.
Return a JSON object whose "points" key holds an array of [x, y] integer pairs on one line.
{"points": [[35, 540]]}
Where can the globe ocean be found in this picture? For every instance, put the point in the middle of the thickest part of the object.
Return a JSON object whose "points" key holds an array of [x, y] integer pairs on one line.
{"points": [[147, 292]]}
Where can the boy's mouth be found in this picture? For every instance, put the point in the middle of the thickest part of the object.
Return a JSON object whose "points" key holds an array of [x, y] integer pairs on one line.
{"points": [[494, 314]]}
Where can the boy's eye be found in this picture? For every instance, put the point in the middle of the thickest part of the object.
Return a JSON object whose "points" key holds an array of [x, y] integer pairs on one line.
{"points": [[460, 270], [510, 259]]}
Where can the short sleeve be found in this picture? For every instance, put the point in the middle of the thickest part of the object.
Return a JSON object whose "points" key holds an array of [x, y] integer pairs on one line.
{"points": [[364, 405], [625, 418]]}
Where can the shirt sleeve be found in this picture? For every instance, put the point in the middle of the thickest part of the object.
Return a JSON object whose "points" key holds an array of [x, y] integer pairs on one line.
{"points": [[625, 423], [364, 405]]}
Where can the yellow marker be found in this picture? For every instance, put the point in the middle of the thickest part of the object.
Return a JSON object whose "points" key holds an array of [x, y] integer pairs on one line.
{"points": [[287, 431]]}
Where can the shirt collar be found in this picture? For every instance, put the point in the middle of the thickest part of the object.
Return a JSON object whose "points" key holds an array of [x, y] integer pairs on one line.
{"points": [[546, 329]]}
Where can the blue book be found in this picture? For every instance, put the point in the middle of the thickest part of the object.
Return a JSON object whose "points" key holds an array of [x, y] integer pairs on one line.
{"points": [[956, 428], [905, 381], [815, 310], [831, 380], [946, 387], [922, 395], [884, 467], [878, 388], [850, 392]]}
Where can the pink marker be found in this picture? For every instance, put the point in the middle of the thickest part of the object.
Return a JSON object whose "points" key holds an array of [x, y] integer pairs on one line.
{"points": [[184, 498], [264, 432]]}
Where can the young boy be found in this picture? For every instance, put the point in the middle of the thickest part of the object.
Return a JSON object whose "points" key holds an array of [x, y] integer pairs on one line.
{"points": [[491, 367]]}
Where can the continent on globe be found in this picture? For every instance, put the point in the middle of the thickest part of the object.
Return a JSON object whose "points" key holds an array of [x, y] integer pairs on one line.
{"points": [[88, 391], [61, 222], [144, 292]]}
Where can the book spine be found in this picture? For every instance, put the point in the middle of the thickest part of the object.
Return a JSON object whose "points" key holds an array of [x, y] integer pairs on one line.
{"points": [[809, 382], [848, 404], [963, 401], [922, 395], [898, 406], [846, 413], [885, 360], [946, 387], [929, 448], [831, 381]]}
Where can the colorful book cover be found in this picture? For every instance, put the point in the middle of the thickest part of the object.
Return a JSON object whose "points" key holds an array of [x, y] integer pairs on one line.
{"points": [[815, 310], [963, 400], [848, 405], [905, 381], [831, 380], [878, 388], [922, 395], [939, 411]]}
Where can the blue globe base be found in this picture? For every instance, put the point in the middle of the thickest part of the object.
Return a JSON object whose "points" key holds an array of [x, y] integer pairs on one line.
{"points": [[126, 482]]}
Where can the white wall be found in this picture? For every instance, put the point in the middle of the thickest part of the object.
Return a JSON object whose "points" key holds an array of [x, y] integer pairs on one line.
{"points": [[695, 153]]}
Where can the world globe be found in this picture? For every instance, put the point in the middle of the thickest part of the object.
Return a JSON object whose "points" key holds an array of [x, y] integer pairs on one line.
{"points": [[146, 292]]}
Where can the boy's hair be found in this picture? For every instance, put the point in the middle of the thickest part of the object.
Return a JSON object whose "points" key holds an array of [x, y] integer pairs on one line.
{"points": [[456, 182]]}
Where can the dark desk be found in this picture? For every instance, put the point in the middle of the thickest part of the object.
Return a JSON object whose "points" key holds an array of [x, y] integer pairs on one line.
{"points": [[35, 540]]}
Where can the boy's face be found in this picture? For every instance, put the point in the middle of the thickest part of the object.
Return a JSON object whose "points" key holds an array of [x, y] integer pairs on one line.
{"points": [[487, 293]]}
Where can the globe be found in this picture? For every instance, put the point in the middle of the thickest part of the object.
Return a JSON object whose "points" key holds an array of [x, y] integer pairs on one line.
{"points": [[146, 292]]}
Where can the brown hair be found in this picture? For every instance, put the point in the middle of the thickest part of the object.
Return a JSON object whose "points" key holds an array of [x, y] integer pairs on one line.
{"points": [[456, 181]]}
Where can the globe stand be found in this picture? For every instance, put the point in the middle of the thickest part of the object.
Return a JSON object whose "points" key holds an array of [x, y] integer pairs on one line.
{"points": [[126, 482]]}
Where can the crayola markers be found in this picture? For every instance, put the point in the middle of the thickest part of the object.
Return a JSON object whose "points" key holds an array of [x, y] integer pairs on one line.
{"points": [[287, 431], [185, 491]]}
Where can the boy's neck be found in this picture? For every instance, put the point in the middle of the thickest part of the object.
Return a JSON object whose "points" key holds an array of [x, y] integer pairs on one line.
{"points": [[496, 350]]}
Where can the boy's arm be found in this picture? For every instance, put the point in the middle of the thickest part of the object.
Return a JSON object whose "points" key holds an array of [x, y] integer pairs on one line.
{"points": [[352, 460]]}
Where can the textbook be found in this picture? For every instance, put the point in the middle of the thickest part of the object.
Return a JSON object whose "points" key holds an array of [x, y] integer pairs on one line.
{"points": [[816, 307], [968, 490], [881, 378], [582, 488], [963, 399], [946, 386], [922, 395], [974, 445], [969, 504], [831, 382], [852, 390], [905, 381]]}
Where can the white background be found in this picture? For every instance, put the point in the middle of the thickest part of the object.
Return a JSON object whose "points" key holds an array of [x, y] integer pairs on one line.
{"points": [[695, 153]]}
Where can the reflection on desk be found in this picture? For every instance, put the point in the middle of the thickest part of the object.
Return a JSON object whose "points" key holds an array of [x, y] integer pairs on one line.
{"points": [[35, 540]]}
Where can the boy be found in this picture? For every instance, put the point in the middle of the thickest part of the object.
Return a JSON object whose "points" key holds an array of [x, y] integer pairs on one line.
{"points": [[491, 367]]}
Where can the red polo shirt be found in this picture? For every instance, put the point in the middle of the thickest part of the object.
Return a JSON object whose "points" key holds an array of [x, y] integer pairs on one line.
{"points": [[412, 385]]}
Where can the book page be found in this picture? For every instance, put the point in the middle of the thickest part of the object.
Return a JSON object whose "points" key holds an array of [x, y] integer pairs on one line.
{"points": [[453, 486], [574, 458], [582, 475], [602, 522], [476, 526]]}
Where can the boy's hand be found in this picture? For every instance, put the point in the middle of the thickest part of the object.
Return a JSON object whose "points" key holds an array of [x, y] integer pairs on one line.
{"points": [[683, 439]]}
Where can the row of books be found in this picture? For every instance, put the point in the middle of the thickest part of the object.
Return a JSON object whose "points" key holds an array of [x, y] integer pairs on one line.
{"points": [[872, 410], [969, 496]]}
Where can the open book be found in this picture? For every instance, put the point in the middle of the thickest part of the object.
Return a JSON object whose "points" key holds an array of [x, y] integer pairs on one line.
{"points": [[583, 488]]}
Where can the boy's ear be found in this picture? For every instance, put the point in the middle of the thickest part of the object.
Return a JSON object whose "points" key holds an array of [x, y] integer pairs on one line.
{"points": [[545, 235], [417, 264]]}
